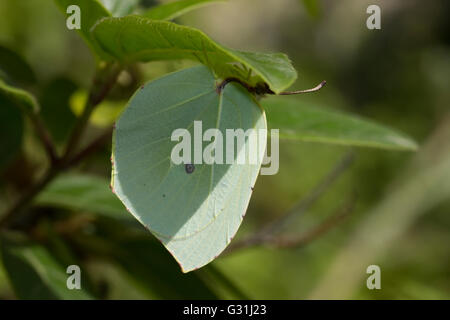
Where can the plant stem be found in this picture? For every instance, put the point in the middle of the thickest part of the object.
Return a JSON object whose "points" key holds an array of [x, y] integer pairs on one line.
{"points": [[316, 232], [14, 211], [268, 232], [306, 203], [91, 147], [103, 82], [44, 136]]}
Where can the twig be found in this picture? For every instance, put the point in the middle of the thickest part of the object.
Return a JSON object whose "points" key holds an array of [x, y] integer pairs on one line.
{"points": [[14, 211], [90, 148], [44, 136], [32, 111], [267, 233], [6, 218], [322, 228], [306, 203], [101, 87]]}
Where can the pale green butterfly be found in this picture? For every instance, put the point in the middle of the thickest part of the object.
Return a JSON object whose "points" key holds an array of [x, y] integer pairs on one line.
{"points": [[194, 212]]}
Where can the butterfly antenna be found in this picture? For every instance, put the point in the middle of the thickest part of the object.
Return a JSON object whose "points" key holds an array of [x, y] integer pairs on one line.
{"points": [[316, 88]]}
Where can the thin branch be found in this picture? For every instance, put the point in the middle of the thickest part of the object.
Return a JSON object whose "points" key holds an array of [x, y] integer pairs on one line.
{"points": [[268, 232], [313, 234], [102, 84], [32, 111], [14, 212], [44, 136], [101, 87], [306, 203], [91, 147]]}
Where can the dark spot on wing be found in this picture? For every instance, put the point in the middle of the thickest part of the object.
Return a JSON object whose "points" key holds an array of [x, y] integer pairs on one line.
{"points": [[189, 168]]}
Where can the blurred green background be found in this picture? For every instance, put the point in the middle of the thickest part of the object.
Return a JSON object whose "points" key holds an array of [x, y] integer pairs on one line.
{"points": [[398, 76]]}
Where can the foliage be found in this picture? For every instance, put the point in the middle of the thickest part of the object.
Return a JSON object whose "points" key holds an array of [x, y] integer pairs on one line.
{"points": [[61, 218], [133, 38]]}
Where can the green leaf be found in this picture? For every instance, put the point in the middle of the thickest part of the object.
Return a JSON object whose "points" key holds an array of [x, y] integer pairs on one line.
{"points": [[12, 102], [194, 215], [55, 111], [151, 266], [172, 10], [16, 69], [119, 8], [144, 263], [35, 274], [220, 279], [82, 193], [91, 12], [104, 114], [20, 98], [132, 38], [297, 121], [11, 130]]}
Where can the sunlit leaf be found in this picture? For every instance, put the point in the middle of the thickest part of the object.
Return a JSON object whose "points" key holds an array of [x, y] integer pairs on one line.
{"points": [[134, 38], [195, 213], [172, 10], [104, 114], [298, 121]]}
